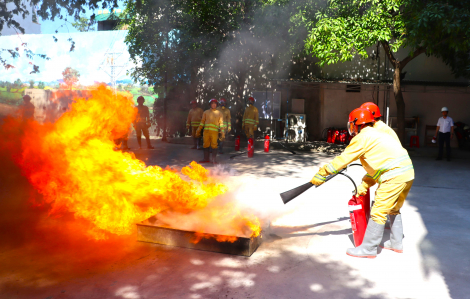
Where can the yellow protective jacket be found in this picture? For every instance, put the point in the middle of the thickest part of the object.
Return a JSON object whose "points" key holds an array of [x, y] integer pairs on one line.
{"points": [[212, 120], [382, 127], [251, 116], [194, 117], [380, 154], [227, 118]]}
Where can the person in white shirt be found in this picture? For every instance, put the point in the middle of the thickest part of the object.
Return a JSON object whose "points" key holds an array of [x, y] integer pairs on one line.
{"points": [[445, 129]]}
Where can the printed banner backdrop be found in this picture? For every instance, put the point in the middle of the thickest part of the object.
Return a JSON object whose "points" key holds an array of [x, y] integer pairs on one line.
{"points": [[92, 57]]}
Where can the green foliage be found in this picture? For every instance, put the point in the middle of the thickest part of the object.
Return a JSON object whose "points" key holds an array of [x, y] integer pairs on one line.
{"points": [[343, 29], [41, 85], [17, 83], [31, 83], [83, 24], [443, 29]]}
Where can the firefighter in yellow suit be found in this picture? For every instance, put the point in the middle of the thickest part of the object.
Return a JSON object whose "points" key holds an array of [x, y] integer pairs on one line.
{"points": [[194, 119], [250, 119], [379, 124], [386, 163], [212, 122], [227, 126]]}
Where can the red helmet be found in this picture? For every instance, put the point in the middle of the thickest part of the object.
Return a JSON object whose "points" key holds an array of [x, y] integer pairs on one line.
{"points": [[358, 117], [251, 99], [372, 108], [223, 101], [213, 101], [193, 102]]}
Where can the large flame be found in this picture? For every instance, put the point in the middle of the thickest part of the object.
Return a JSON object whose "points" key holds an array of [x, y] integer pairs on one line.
{"points": [[71, 162]]}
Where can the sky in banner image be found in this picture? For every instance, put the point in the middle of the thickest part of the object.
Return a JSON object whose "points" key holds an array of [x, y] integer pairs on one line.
{"points": [[87, 57]]}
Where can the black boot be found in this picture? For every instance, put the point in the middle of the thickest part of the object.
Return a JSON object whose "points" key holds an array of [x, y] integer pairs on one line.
{"points": [[199, 144], [206, 156], [396, 234], [195, 143], [214, 156], [149, 146], [372, 238], [221, 147]]}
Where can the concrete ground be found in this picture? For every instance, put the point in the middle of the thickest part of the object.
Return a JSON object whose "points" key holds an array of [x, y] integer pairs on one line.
{"points": [[303, 253]]}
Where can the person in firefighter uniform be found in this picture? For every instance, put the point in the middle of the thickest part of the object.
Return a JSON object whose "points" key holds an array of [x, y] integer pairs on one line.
{"points": [[379, 124], [212, 122], [386, 163], [227, 126], [250, 119], [194, 119], [142, 122]]}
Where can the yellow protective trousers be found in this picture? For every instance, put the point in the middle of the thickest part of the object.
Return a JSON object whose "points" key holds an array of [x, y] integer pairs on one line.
{"points": [[193, 131], [210, 139], [250, 131], [389, 199]]}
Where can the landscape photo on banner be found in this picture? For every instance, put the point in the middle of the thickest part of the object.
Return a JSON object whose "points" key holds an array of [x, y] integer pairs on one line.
{"points": [[95, 57]]}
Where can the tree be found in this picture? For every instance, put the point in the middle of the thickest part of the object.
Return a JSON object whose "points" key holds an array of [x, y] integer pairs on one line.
{"points": [[344, 29], [31, 83], [70, 77], [17, 83], [41, 85], [83, 24]]}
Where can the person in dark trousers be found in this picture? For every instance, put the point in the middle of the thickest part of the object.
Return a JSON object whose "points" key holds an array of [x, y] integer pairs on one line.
{"points": [[142, 122], [27, 108], [445, 129]]}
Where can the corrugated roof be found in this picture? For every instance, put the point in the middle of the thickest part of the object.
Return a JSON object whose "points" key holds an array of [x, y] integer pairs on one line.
{"points": [[104, 15]]}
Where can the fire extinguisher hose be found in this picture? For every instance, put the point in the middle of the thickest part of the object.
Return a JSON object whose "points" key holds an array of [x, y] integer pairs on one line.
{"points": [[293, 193]]}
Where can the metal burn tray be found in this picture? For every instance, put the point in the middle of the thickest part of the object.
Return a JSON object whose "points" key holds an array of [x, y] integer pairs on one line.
{"points": [[175, 237]]}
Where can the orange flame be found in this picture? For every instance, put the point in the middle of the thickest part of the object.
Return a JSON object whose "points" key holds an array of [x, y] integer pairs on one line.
{"points": [[73, 165]]}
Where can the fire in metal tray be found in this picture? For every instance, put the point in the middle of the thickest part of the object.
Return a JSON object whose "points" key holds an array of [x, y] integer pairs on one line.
{"points": [[155, 231]]}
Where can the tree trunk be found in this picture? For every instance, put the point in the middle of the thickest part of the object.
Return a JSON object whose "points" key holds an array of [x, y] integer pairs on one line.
{"points": [[240, 100], [193, 79], [400, 104]]}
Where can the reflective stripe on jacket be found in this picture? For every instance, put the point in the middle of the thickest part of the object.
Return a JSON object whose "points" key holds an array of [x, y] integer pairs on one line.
{"points": [[251, 116], [380, 154], [212, 120], [194, 117], [227, 117]]}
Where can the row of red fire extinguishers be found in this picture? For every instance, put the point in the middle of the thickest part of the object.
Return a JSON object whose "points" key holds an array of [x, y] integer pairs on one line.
{"points": [[251, 146], [359, 206], [338, 136]]}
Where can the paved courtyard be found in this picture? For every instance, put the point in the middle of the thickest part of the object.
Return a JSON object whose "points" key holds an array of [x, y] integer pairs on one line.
{"points": [[302, 254]]}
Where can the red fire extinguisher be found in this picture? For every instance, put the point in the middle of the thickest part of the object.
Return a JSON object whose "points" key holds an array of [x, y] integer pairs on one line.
{"points": [[358, 219], [237, 143], [366, 204], [335, 138], [251, 148], [266, 144], [329, 135], [342, 137]]}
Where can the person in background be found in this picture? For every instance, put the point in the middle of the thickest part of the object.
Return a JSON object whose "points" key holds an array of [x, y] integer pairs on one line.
{"points": [[227, 127], [250, 119], [212, 122], [193, 121], [142, 122], [27, 108], [445, 129]]}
